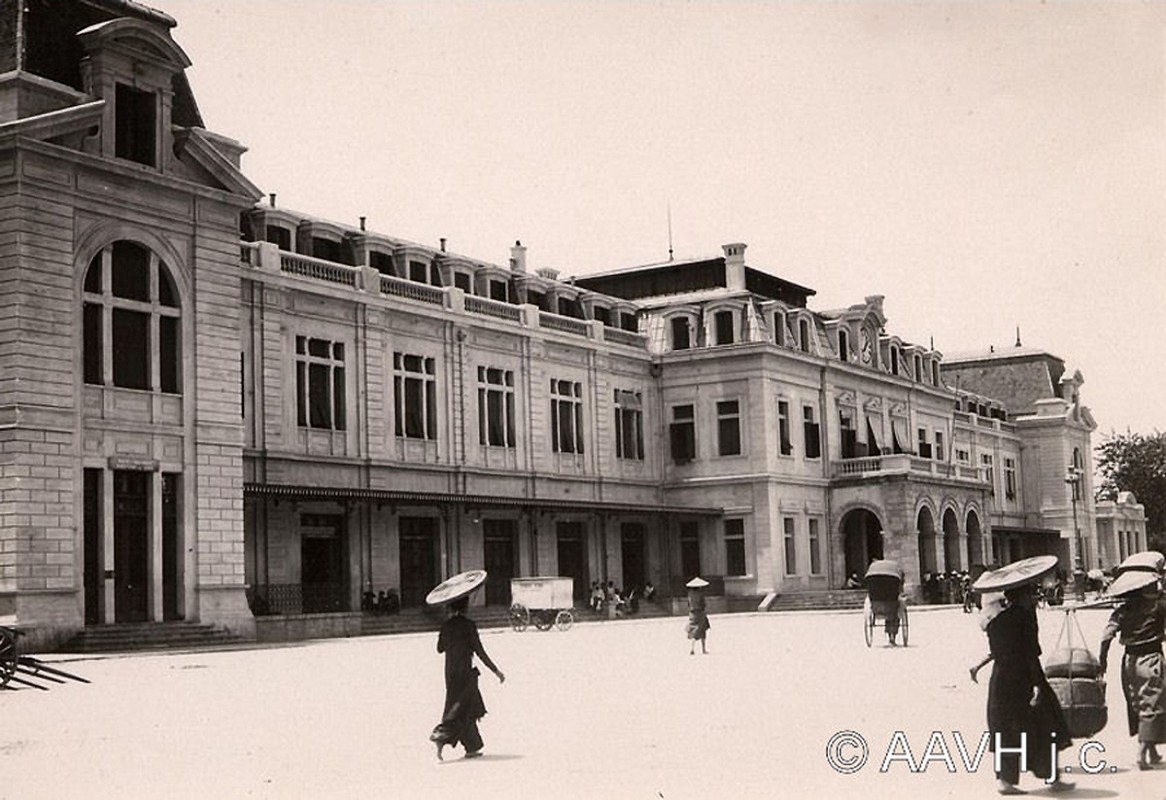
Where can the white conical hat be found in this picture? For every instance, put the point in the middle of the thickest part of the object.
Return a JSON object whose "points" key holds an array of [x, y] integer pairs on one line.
{"points": [[697, 583], [458, 586], [1018, 573]]}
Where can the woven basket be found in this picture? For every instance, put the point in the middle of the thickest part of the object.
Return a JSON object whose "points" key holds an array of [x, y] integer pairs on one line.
{"points": [[1083, 703]]}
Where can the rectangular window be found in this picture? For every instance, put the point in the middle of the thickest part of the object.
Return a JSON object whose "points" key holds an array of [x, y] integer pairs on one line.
{"points": [[680, 338], [131, 349], [729, 427], [462, 281], [779, 328], [320, 392], [499, 291], [924, 445], [812, 432], [784, 442], [791, 546], [629, 425], [939, 445], [169, 353], [135, 122], [496, 407], [566, 416], [419, 271], [682, 434], [815, 548], [415, 396], [847, 433], [735, 547], [989, 476], [723, 327], [1010, 478], [962, 456], [94, 344]]}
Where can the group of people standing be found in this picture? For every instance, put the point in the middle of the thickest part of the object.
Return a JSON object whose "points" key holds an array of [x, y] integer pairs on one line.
{"points": [[1023, 710]]}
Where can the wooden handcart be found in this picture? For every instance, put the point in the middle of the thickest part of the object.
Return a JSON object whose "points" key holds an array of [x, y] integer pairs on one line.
{"points": [[16, 669], [546, 602]]}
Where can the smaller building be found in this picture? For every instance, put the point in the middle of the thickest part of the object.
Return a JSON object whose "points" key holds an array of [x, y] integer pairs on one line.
{"points": [[1121, 528]]}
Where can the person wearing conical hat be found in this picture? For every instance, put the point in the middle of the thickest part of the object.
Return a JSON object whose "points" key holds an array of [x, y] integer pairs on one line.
{"points": [[1141, 622], [698, 618], [1022, 707], [459, 641]]}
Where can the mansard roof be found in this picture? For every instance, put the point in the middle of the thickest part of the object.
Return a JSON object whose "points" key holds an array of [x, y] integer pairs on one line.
{"points": [[684, 276]]}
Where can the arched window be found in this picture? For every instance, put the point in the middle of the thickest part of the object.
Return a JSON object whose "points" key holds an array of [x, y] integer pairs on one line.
{"points": [[132, 321], [894, 360]]}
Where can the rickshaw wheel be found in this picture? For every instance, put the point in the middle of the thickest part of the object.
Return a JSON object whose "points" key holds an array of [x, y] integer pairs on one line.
{"points": [[544, 620], [519, 617], [903, 623], [868, 623], [565, 619], [7, 656]]}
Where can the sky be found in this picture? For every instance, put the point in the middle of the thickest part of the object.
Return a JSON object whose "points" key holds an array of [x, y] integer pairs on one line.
{"points": [[984, 166]]}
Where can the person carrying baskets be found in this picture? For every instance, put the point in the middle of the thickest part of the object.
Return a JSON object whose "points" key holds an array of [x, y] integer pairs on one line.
{"points": [[1140, 619]]}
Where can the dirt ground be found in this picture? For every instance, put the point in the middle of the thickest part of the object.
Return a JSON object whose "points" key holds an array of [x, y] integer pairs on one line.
{"points": [[605, 710]]}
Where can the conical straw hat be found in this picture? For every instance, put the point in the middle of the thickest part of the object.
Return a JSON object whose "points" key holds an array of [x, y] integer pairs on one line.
{"points": [[458, 586], [1018, 573]]}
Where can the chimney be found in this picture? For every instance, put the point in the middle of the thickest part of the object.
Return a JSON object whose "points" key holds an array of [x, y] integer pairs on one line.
{"points": [[271, 199], [442, 240], [362, 221], [734, 265], [518, 258]]}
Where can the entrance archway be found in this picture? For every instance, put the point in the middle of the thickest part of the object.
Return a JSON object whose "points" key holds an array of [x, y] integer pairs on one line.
{"points": [[951, 542], [975, 540], [925, 524], [862, 536]]}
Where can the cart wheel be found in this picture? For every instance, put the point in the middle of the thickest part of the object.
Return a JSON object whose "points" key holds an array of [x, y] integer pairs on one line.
{"points": [[544, 619], [7, 656], [519, 617], [565, 619], [903, 623], [868, 623]]}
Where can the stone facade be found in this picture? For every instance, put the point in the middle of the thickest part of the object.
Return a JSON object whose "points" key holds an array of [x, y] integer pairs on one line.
{"points": [[197, 429]]}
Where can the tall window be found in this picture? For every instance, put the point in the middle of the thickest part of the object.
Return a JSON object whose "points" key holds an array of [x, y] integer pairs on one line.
{"points": [[735, 547], [680, 337], [812, 433], [934, 373], [939, 445], [135, 114], [843, 346], [815, 547], [566, 416], [989, 476], [415, 396], [804, 336], [682, 434], [848, 434], [791, 549], [894, 360], [131, 322], [320, 399], [723, 327], [729, 428], [784, 442], [496, 407], [918, 369], [1010, 478], [779, 328], [629, 425], [924, 445]]}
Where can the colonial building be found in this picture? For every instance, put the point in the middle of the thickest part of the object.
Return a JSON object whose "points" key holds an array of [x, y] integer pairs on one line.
{"points": [[221, 410]]}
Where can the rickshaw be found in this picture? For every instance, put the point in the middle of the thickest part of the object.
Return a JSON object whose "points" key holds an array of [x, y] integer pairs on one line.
{"points": [[884, 601], [18, 669], [544, 601]]}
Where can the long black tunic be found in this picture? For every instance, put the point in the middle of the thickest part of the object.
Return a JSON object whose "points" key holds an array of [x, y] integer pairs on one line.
{"points": [[460, 642], [1016, 671]]}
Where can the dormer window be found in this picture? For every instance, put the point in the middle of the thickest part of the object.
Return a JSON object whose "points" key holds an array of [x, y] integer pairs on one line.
{"points": [[135, 135], [461, 280], [843, 346], [804, 335], [779, 328], [723, 327], [894, 360], [681, 340]]}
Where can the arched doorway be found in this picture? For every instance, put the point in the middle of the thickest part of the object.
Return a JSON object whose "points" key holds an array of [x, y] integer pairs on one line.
{"points": [[951, 542], [862, 536], [975, 540], [925, 524]]}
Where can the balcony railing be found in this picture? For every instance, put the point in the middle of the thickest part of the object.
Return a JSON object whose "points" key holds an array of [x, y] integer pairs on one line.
{"points": [[493, 308], [317, 268], [620, 336], [902, 464], [555, 322], [423, 292]]}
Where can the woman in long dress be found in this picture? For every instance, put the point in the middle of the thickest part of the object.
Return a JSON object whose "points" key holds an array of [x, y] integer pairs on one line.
{"points": [[1020, 699], [698, 618], [460, 642], [1141, 621]]}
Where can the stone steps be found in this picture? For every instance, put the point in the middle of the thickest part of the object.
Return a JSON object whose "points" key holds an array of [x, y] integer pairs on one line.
{"points": [[129, 637]]}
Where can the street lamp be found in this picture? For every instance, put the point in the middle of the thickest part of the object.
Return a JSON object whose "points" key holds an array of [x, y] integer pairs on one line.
{"points": [[1073, 478]]}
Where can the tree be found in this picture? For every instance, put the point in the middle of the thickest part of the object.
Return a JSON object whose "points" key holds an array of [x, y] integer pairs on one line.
{"points": [[1134, 462]]}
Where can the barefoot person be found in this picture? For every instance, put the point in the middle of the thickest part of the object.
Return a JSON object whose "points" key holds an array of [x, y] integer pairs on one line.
{"points": [[1022, 708], [698, 618], [460, 642], [1141, 621]]}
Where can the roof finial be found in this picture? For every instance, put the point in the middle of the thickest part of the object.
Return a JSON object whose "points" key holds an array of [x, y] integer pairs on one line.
{"points": [[1018, 336], [669, 230]]}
